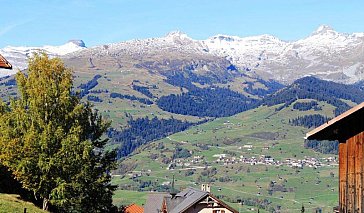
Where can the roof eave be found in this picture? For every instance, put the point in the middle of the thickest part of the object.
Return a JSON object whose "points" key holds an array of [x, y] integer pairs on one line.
{"points": [[315, 133]]}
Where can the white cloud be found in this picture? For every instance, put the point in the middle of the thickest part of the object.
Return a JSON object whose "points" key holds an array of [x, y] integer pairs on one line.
{"points": [[10, 27]]}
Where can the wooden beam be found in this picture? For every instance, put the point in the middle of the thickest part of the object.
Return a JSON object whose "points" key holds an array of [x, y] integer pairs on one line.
{"points": [[340, 125], [4, 63]]}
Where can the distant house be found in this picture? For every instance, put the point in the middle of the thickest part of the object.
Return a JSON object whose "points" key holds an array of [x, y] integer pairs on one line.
{"points": [[348, 129], [133, 208], [4, 63], [190, 200]]}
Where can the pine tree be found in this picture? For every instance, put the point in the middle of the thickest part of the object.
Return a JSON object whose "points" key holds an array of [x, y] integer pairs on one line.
{"points": [[53, 143]]}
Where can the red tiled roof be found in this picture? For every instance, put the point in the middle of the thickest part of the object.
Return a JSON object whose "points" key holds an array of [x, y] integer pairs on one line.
{"points": [[134, 208], [4, 63]]}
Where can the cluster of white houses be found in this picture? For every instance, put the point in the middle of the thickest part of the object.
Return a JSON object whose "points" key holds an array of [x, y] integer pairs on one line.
{"points": [[223, 159]]}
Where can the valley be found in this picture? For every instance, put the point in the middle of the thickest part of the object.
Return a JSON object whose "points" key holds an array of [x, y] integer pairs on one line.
{"points": [[223, 111], [255, 156]]}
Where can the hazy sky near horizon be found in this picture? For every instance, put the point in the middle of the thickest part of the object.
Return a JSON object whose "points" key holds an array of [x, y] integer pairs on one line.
{"points": [[54, 22]]}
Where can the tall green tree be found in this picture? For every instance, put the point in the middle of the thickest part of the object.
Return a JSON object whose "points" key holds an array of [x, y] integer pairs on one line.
{"points": [[53, 143]]}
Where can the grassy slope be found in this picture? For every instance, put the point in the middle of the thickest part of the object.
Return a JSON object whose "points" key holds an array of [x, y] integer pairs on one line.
{"points": [[11, 203], [120, 80], [251, 127], [243, 127]]}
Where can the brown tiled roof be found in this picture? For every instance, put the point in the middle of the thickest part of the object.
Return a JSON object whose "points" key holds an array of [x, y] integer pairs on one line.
{"points": [[4, 63], [154, 202], [134, 208]]}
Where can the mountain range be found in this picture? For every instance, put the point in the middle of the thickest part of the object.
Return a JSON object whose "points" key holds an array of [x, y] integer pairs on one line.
{"points": [[327, 54], [218, 109]]}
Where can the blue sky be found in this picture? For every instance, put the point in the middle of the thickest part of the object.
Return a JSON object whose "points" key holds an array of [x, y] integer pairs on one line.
{"points": [[54, 22]]}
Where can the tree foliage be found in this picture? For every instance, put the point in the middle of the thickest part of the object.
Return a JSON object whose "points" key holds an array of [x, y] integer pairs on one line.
{"points": [[52, 142]]}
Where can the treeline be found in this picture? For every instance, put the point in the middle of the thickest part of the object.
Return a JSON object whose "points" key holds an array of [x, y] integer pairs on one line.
{"points": [[144, 130], [98, 91], [325, 147], [94, 98], [179, 80], [85, 88], [320, 90], [131, 97], [187, 77], [271, 87], [212, 101], [309, 121], [144, 90], [10, 82], [305, 106], [207, 102]]}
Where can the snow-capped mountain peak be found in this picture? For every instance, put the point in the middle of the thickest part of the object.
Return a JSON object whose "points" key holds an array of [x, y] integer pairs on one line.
{"points": [[325, 53], [18, 56], [69, 47], [323, 29], [177, 35], [226, 38], [79, 43]]}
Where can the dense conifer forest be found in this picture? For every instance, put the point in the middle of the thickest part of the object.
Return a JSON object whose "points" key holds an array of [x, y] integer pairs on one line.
{"points": [[144, 130], [207, 102], [131, 97], [85, 88], [144, 90], [309, 121], [326, 147], [271, 87], [305, 106], [320, 90]]}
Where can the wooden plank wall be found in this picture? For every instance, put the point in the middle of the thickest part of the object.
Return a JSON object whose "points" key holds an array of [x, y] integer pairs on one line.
{"points": [[342, 176], [351, 167]]}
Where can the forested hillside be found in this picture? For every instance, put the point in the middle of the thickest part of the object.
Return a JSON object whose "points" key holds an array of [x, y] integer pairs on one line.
{"points": [[320, 90]]}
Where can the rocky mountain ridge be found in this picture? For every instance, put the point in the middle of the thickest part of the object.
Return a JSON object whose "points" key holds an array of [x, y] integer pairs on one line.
{"points": [[327, 54]]}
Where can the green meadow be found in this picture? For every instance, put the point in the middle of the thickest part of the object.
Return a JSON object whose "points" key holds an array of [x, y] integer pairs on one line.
{"points": [[252, 135]]}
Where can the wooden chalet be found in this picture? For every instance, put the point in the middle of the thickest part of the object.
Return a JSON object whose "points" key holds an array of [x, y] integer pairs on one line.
{"points": [[4, 63], [189, 200], [348, 129]]}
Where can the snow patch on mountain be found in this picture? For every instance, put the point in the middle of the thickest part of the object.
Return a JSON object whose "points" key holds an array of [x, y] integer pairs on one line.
{"points": [[18, 56], [325, 53], [325, 50]]}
